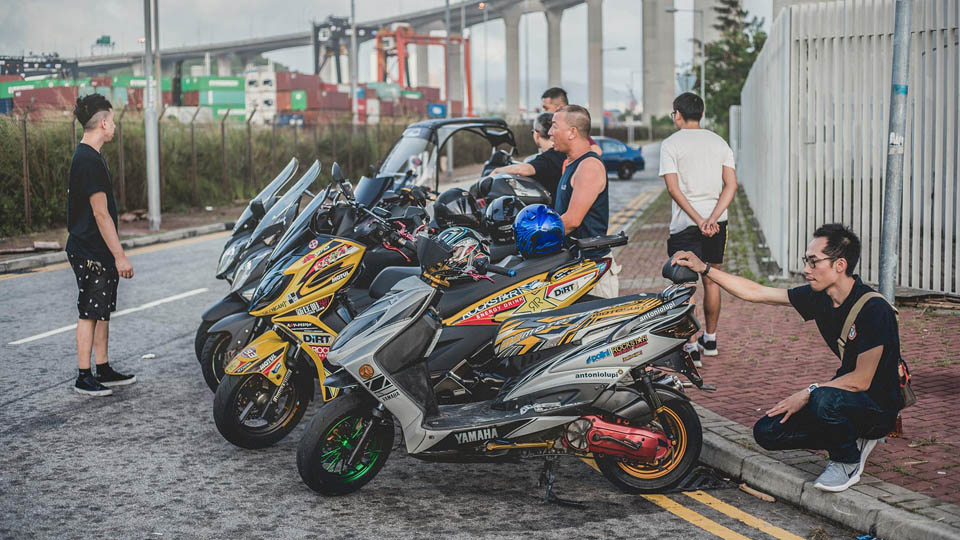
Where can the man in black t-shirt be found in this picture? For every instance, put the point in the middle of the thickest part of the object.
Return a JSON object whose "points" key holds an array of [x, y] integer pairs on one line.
{"points": [[851, 412], [93, 247], [547, 166]]}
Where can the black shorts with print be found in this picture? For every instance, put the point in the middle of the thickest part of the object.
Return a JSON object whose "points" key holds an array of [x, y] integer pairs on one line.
{"points": [[707, 248], [98, 288]]}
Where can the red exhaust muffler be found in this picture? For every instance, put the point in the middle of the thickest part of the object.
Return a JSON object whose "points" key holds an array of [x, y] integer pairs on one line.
{"points": [[595, 435]]}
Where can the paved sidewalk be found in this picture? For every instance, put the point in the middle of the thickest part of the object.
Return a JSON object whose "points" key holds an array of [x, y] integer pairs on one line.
{"points": [[766, 353]]}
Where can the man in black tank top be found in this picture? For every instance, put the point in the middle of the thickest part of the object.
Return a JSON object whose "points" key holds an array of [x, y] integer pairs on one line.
{"points": [[582, 197]]}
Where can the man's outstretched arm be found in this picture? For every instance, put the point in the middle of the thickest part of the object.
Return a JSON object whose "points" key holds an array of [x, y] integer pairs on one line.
{"points": [[742, 288]]}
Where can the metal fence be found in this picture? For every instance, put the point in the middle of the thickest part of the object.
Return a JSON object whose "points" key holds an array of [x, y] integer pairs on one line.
{"points": [[813, 134]]}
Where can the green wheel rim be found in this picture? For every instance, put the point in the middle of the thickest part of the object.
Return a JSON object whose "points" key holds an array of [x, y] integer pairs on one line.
{"points": [[338, 444]]}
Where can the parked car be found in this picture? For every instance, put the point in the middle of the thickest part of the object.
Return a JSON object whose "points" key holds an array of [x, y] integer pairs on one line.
{"points": [[620, 158]]}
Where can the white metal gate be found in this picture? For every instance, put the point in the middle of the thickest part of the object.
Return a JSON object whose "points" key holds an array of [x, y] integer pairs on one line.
{"points": [[813, 134]]}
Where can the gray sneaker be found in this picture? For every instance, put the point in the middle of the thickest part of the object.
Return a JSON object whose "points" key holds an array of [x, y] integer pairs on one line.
{"points": [[838, 476]]}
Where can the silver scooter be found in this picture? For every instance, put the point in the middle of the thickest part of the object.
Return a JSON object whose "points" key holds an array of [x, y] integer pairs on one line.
{"points": [[591, 394]]}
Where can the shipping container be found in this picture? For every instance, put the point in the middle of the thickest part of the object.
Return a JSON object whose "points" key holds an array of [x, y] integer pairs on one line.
{"points": [[6, 105], [386, 108], [8, 88], [297, 100], [119, 99], [101, 81], [268, 80], [60, 97], [289, 119], [233, 114], [291, 80], [10, 78], [429, 93], [373, 107], [252, 80], [191, 98], [318, 99], [126, 81], [234, 98]]}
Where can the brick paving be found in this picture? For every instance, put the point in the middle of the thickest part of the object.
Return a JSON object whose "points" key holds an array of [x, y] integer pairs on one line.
{"points": [[767, 353]]}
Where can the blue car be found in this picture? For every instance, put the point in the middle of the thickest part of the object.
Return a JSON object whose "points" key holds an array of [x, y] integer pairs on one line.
{"points": [[620, 158]]}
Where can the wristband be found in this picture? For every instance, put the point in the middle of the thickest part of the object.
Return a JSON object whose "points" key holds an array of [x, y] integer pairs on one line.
{"points": [[812, 387], [705, 271]]}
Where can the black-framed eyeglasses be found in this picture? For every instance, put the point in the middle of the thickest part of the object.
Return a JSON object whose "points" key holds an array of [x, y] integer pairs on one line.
{"points": [[812, 261]]}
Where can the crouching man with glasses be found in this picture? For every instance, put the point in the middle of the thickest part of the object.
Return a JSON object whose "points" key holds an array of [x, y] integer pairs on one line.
{"points": [[850, 413]]}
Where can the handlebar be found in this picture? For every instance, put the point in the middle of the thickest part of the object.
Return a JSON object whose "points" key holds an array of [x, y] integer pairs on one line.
{"points": [[509, 272]]}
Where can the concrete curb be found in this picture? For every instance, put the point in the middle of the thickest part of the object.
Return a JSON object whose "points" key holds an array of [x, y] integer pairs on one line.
{"points": [[882, 509], [36, 261]]}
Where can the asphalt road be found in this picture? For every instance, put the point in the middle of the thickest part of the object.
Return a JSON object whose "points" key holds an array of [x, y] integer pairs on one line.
{"points": [[148, 461]]}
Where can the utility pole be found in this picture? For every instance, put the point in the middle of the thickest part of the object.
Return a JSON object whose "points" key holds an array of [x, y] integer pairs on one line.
{"points": [[446, 85], [353, 61], [150, 126], [486, 100], [157, 67], [893, 188]]}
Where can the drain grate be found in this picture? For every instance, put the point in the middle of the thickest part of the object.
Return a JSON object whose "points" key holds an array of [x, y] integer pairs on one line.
{"points": [[702, 478]]}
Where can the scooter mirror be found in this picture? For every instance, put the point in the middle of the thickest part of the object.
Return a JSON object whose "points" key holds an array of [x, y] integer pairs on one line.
{"points": [[336, 173], [257, 208]]}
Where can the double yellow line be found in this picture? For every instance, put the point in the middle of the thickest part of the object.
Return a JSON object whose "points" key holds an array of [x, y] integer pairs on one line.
{"points": [[622, 218], [728, 510]]}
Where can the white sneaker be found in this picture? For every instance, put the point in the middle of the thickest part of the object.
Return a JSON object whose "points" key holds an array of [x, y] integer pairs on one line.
{"points": [[838, 476]]}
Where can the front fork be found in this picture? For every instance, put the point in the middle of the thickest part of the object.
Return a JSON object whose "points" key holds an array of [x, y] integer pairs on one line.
{"points": [[378, 413]]}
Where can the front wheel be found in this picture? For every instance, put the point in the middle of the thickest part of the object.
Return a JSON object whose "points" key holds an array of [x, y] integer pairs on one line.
{"points": [[246, 414], [215, 354], [680, 419], [625, 172], [201, 337], [331, 439]]}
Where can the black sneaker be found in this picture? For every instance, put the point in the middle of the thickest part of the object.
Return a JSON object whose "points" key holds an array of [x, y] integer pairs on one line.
{"points": [[708, 348], [90, 386], [109, 377]]}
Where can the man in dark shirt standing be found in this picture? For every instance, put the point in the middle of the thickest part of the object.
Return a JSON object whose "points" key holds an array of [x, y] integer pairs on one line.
{"points": [[547, 166], [851, 412], [93, 246]]}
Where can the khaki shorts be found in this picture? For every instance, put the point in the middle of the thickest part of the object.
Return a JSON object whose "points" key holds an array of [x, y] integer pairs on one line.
{"points": [[609, 284]]}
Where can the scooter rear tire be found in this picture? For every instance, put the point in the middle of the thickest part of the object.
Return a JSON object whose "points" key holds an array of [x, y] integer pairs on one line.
{"points": [[672, 468], [326, 445]]}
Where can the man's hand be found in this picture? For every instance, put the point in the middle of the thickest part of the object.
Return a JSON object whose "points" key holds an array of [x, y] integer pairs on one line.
{"points": [[124, 267], [790, 405], [690, 260], [709, 227]]}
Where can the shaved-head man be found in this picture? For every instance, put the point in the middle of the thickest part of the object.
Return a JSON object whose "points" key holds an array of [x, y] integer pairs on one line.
{"points": [[582, 198], [552, 100]]}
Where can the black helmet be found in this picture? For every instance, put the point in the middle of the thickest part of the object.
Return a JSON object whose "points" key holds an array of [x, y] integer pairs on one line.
{"points": [[457, 208], [499, 217]]}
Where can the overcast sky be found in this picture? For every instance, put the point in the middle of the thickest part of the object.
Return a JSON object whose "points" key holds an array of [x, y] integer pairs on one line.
{"points": [[70, 27]]}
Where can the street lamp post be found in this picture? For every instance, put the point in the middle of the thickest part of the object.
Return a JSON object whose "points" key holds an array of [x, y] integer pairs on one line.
{"points": [[703, 53], [620, 48], [484, 6]]}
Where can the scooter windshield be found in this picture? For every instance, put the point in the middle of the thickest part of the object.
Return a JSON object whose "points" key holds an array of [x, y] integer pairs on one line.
{"points": [[292, 237], [267, 196], [369, 190], [285, 210]]}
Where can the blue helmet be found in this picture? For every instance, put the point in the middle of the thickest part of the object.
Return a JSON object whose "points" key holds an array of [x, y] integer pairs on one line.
{"points": [[538, 230]]}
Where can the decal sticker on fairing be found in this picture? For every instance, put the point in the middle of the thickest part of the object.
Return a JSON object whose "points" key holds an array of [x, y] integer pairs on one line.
{"points": [[313, 307], [628, 346], [319, 339], [600, 375], [476, 435], [599, 356]]}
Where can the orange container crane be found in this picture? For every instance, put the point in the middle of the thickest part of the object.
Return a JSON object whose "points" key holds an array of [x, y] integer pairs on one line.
{"points": [[396, 43]]}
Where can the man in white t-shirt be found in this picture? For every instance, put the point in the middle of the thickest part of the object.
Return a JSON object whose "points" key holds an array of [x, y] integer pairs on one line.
{"points": [[699, 169]]}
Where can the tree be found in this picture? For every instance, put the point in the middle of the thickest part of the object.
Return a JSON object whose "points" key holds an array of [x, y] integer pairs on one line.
{"points": [[728, 61]]}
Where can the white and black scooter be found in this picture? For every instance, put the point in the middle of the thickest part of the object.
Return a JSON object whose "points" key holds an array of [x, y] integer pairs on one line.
{"points": [[591, 393]]}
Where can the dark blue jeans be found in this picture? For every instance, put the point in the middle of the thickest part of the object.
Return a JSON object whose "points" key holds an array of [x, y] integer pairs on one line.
{"points": [[832, 421]]}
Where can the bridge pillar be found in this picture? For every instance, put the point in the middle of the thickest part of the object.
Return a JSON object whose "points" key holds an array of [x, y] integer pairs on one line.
{"points": [[223, 66], [421, 54], [511, 21], [595, 59], [554, 44], [658, 58]]}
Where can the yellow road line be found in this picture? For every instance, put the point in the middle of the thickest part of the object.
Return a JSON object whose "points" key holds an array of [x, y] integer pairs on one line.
{"points": [[740, 515], [623, 217], [685, 513], [130, 253]]}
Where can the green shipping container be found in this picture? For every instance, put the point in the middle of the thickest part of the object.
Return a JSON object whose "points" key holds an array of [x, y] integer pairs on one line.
{"points": [[215, 98], [235, 114], [212, 83], [8, 88], [298, 100], [126, 81]]}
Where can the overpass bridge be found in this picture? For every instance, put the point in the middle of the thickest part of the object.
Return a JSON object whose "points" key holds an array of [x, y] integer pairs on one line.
{"points": [[658, 46]]}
